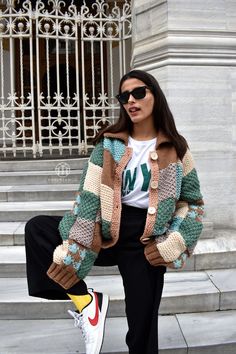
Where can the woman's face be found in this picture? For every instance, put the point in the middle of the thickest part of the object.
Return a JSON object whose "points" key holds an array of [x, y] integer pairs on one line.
{"points": [[139, 110]]}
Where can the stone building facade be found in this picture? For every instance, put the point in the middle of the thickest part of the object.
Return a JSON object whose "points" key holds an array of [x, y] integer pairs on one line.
{"points": [[190, 47]]}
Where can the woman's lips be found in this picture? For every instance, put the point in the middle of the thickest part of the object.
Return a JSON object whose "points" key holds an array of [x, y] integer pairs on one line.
{"points": [[134, 110]]}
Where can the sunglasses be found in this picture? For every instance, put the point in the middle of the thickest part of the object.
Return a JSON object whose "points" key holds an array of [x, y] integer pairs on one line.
{"points": [[138, 93]]}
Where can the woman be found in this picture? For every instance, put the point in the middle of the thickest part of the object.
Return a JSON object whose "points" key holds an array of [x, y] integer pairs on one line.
{"points": [[139, 206]]}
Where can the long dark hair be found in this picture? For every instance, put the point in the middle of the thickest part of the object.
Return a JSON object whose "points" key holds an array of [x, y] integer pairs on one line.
{"points": [[163, 118]]}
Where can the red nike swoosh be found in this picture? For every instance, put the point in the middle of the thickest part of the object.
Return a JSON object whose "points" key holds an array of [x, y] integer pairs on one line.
{"points": [[94, 321]]}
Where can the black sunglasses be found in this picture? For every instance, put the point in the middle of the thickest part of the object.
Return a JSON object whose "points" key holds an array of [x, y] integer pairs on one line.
{"points": [[138, 93]]}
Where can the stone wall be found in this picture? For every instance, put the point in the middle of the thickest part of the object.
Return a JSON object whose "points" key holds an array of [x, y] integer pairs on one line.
{"points": [[189, 46]]}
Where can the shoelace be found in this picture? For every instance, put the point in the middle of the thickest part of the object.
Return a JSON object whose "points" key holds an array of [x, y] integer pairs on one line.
{"points": [[79, 323]]}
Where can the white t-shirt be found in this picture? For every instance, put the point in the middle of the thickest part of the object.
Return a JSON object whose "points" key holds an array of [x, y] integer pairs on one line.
{"points": [[137, 174]]}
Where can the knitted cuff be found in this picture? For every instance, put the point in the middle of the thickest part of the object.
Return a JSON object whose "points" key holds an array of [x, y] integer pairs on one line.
{"points": [[172, 248], [64, 276], [153, 255]]}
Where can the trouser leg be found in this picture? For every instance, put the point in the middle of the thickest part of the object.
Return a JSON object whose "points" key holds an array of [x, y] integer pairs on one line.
{"points": [[41, 239], [143, 286]]}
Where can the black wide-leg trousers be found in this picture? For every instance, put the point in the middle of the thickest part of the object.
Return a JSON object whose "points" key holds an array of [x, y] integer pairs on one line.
{"points": [[142, 282]]}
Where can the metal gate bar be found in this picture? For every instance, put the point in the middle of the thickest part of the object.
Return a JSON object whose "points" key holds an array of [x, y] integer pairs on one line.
{"points": [[59, 71]]}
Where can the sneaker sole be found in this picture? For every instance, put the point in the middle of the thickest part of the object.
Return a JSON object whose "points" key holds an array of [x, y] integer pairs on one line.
{"points": [[105, 302]]}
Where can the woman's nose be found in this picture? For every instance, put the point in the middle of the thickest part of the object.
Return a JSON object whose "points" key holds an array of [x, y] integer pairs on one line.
{"points": [[131, 99]]}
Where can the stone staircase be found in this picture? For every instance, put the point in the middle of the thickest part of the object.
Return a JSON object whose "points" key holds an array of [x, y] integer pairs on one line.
{"points": [[198, 308]]}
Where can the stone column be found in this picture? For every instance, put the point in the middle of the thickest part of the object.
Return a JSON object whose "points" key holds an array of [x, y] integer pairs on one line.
{"points": [[190, 47]]}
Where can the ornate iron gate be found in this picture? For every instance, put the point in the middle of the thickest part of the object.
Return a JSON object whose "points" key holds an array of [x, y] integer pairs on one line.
{"points": [[60, 66]]}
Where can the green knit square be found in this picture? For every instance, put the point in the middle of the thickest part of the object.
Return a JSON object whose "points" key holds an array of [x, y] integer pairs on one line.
{"points": [[115, 147], [89, 206], [82, 178], [190, 189], [164, 214], [106, 227], [87, 264], [66, 224], [190, 230], [97, 155]]}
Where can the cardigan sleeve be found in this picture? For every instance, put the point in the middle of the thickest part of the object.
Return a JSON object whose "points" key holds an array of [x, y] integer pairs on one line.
{"points": [[90, 176], [186, 225], [80, 228]]}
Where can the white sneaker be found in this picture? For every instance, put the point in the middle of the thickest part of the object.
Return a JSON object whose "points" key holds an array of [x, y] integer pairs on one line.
{"points": [[91, 321]]}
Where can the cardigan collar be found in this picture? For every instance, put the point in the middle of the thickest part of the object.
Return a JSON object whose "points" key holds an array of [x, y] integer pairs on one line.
{"points": [[124, 136]]}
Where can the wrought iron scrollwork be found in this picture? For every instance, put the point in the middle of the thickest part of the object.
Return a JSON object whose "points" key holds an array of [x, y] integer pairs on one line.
{"points": [[59, 97]]}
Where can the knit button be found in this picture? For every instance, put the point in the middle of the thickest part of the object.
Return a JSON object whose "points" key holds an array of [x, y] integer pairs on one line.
{"points": [[151, 210], [154, 155], [154, 184]]}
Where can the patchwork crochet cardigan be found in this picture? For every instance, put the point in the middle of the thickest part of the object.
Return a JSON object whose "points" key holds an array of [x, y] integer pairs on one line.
{"points": [[174, 215]]}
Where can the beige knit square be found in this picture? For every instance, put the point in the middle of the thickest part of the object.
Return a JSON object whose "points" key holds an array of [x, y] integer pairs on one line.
{"points": [[92, 181], [181, 209], [188, 163], [60, 252], [172, 248], [106, 202]]}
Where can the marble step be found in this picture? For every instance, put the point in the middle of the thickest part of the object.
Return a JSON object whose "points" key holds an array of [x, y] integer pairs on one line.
{"points": [[41, 164], [195, 333], [216, 253], [23, 211], [208, 231], [17, 178], [12, 232], [29, 193], [13, 264], [184, 292]]}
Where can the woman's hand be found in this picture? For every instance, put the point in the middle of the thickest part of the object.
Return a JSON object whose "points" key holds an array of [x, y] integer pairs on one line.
{"points": [[155, 258]]}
